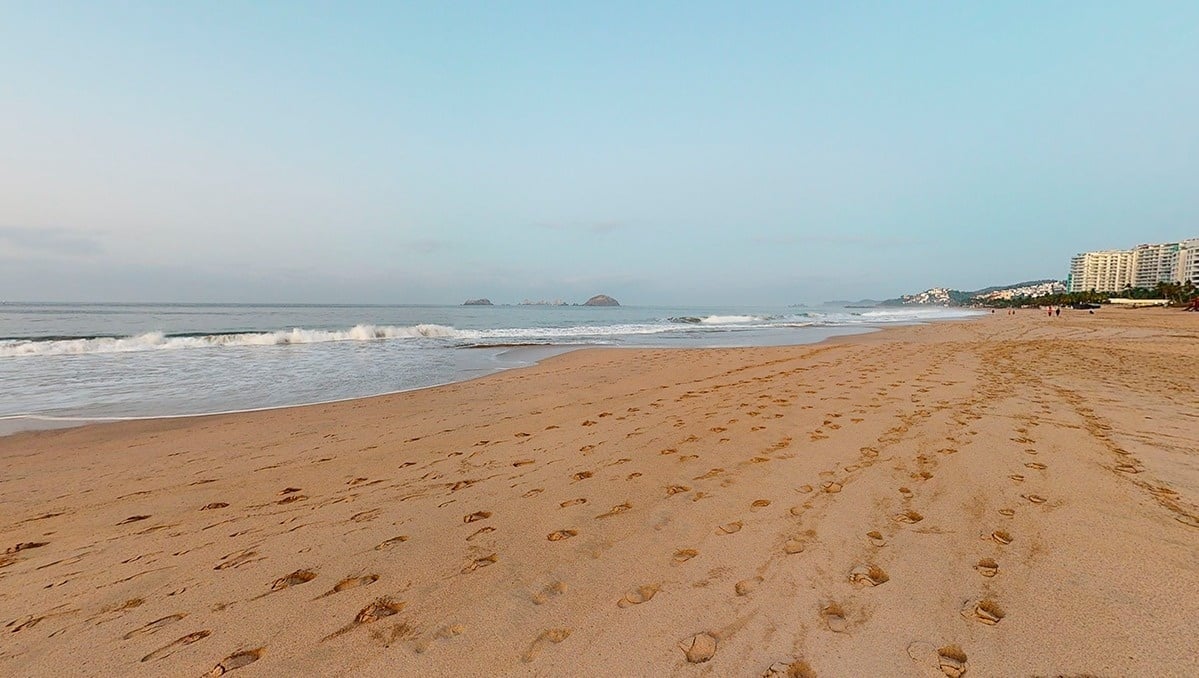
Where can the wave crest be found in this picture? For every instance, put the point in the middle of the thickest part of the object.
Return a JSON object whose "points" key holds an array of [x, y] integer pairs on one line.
{"points": [[157, 341]]}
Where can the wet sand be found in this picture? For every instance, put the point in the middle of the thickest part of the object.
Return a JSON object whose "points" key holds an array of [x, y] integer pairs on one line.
{"points": [[1004, 496]]}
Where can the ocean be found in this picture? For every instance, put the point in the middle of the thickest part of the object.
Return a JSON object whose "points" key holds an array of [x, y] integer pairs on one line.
{"points": [[65, 364]]}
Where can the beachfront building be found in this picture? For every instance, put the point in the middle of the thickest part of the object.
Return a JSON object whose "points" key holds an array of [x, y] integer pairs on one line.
{"points": [[1142, 266], [1152, 264], [1188, 261], [1104, 271]]}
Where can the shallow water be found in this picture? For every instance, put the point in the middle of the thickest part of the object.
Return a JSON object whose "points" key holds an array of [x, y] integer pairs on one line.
{"points": [[69, 362]]}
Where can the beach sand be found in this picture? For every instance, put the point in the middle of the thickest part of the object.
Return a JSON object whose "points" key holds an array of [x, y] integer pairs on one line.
{"points": [[1012, 495]]}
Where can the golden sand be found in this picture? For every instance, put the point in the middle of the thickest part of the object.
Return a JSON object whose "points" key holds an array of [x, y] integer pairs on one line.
{"points": [[812, 510]]}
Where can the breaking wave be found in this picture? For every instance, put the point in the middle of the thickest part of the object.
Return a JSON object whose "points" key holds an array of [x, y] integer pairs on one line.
{"points": [[157, 341], [454, 337]]}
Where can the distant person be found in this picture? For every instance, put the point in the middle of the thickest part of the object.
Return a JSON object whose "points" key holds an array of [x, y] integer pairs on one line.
{"points": [[1058, 311]]}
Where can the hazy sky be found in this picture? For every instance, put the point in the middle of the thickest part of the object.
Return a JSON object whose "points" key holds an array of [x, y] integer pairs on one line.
{"points": [[685, 153]]}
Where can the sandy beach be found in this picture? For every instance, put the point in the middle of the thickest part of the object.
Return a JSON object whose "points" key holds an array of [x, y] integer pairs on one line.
{"points": [[1012, 495]]}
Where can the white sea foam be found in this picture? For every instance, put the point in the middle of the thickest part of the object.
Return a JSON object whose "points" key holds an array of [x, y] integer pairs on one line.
{"points": [[730, 319], [156, 341]]}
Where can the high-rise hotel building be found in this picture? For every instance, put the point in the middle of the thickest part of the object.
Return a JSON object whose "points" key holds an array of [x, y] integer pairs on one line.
{"points": [[1141, 266]]}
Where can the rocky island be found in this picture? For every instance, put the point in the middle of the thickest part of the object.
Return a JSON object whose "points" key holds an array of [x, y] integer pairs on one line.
{"points": [[601, 300], [477, 302]]}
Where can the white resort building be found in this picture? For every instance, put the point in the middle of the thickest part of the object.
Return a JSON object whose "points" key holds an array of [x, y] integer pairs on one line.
{"points": [[1142, 266]]}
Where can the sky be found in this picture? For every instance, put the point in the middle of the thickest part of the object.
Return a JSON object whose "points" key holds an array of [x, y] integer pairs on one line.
{"points": [[661, 153]]}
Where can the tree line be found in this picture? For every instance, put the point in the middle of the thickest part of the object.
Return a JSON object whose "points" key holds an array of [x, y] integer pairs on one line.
{"points": [[1178, 294]]}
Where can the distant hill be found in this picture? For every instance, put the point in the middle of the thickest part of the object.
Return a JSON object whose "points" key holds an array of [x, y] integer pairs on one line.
{"points": [[943, 296]]}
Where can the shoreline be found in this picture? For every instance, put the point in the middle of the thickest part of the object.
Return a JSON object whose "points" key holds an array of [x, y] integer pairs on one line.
{"points": [[548, 351], [838, 504]]}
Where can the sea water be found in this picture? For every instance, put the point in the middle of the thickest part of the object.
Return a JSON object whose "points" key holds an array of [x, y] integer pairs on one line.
{"points": [[62, 364]]}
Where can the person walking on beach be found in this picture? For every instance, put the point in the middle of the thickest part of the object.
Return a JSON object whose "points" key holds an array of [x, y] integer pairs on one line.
{"points": [[1058, 311]]}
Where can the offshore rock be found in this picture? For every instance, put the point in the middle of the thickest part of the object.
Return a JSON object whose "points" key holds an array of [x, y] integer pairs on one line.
{"points": [[601, 300]]}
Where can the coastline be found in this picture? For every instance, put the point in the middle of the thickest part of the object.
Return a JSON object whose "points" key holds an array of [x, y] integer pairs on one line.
{"points": [[522, 355], [725, 492]]}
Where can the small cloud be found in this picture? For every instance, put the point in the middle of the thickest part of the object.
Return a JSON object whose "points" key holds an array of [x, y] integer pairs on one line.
{"points": [[50, 240]]}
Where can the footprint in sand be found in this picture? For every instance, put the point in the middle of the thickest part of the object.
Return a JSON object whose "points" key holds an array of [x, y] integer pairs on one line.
{"points": [[760, 503], [949, 660], [676, 489], [573, 502], [1017, 477], [581, 475], [235, 560], [868, 575], [523, 462], [699, 648], [350, 583], [986, 611], [683, 555], [876, 538], [477, 515], [730, 528], [834, 617], [747, 586], [1001, 537], [480, 531], [1036, 465], [908, 517], [294, 579], [559, 535], [379, 608], [805, 488], [174, 646], [533, 492], [952, 661], [987, 567], [548, 636], [1007, 512], [154, 626], [391, 543], [619, 508], [1034, 498], [214, 505], [235, 661], [793, 546], [831, 487], [132, 519], [479, 563], [791, 669], [907, 493], [548, 591], [641, 594]]}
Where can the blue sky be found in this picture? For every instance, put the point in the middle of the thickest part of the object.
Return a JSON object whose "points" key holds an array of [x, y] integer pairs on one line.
{"points": [[676, 153]]}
